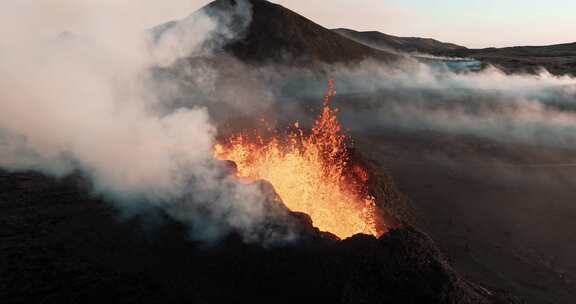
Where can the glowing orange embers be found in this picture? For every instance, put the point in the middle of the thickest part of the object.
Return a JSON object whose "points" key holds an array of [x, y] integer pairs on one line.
{"points": [[309, 172]]}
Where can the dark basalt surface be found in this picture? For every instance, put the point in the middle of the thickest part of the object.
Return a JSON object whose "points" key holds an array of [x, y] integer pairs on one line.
{"points": [[280, 35], [59, 244]]}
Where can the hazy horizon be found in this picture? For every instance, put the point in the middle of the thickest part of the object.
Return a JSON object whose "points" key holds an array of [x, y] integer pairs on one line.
{"points": [[474, 23]]}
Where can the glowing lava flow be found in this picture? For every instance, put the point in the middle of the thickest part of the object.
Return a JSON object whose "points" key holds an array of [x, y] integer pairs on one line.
{"points": [[309, 173]]}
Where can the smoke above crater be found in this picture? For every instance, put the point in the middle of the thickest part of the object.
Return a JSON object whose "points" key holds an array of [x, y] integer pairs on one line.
{"points": [[86, 101]]}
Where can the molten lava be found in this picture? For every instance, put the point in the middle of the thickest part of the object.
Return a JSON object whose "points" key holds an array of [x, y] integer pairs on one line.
{"points": [[310, 173]]}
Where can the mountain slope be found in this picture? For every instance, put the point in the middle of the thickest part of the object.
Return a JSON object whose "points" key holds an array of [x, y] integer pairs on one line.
{"points": [[403, 44], [275, 33]]}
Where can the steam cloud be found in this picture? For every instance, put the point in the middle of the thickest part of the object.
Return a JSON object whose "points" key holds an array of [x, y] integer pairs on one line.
{"points": [[446, 97], [87, 101], [534, 109]]}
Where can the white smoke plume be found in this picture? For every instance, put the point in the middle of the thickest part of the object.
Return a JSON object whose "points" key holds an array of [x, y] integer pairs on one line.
{"points": [[410, 95], [535, 109], [85, 100]]}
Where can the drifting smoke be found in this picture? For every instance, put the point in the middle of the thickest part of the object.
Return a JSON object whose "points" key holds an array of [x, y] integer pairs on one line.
{"points": [[86, 101], [535, 109]]}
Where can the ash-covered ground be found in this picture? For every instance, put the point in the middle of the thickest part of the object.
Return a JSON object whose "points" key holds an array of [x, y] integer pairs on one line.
{"points": [[62, 245], [501, 212]]}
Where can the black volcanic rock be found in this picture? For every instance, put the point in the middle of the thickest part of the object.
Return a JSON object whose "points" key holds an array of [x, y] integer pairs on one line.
{"points": [[278, 34], [393, 206], [59, 244], [402, 44]]}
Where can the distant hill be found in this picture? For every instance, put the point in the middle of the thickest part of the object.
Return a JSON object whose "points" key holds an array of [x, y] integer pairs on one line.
{"points": [[558, 59], [278, 34], [403, 44]]}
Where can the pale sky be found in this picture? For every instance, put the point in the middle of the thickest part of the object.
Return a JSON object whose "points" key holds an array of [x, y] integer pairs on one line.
{"points": [[472, 23]]}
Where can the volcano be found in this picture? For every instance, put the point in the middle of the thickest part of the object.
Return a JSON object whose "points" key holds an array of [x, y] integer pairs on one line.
{"points": [[60, 242]]}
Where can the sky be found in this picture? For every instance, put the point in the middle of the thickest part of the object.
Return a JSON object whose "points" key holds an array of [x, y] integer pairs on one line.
{"points": [[472, 23]]}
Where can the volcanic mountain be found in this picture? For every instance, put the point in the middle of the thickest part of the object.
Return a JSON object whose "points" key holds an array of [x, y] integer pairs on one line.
{"points": [[383, 41], [277, 34]]}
